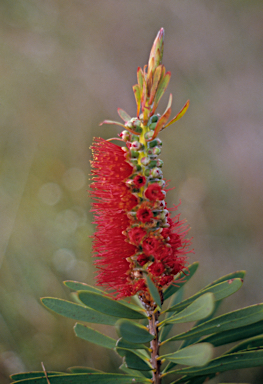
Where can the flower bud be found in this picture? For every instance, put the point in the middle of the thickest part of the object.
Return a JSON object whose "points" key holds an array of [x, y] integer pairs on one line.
{"points": [[156, 151], [148, 135], [125, 135], [145, 160], [152, 164], [155, 143], [156, 173], [154, 118], [136, 145], [134, 154]]}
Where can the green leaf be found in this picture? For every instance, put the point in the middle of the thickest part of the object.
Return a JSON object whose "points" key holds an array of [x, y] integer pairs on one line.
{"points": [[108, 306], [180, 280], [124, 368], [237, 334], [220, 291], [76, 311], [224, 363], [94, 336], [229, 321], [230, 276], [133, 361], [83, 370], [154, 291], [121, 343], [87, 378], [201, 308], [164, 331], [133, 332], [194, 355], [32, 375], [77, 286], [187, 342], [195, 380], [254, 342]]}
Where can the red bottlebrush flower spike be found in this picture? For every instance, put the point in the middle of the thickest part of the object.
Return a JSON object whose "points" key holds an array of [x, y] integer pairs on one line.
{"points": [[135, 233]]}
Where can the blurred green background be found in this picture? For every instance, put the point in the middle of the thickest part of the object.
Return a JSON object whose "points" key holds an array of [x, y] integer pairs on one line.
{"points": [[66, 65]]}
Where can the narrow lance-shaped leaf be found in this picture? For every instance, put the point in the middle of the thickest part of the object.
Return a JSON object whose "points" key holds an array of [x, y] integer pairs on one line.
{"points": [[194, 340], [179, 114], [137, 95], [77, 286], [122, 343], [108, 306], [133, 332], [133, 360], [237, 334], [194, 355], [123, 115], [87, 378], [83, 370], [180, 280], [153, 291], [252, 343], [161, 89], [124, 368], [197, 310], [162, 121], [164, 331], [255, 342], [140, 78], [239, 360], [156, 79], [93, 336], [220, 291], [113, 122], [77, 312], [228, 277], [229, 321], [33, 375]]}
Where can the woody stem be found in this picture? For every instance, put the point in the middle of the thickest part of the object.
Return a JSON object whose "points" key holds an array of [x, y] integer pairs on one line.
{"points": [[156, 364]]}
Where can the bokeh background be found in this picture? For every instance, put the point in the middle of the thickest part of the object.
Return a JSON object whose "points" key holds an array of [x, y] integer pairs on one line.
{"points": [[66, 65]]}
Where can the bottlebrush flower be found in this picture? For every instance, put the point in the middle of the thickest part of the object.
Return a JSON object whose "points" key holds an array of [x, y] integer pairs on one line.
{"points": [[136, 234]]}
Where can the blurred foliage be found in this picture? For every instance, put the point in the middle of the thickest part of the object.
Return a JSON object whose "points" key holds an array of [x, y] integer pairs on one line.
{"points": [[67, 65]]}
